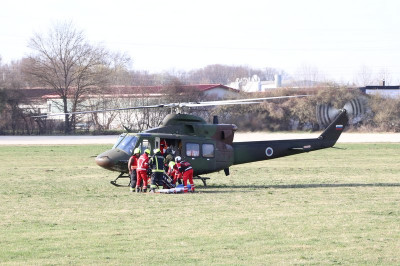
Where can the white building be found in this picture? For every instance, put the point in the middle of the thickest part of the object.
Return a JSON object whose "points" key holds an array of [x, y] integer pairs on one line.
{"points": [[255, 84]]}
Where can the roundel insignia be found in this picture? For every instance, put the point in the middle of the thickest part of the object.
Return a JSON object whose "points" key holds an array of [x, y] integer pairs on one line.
{"points": [[269, 151]]}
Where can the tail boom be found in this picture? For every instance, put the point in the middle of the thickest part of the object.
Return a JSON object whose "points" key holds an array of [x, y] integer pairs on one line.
{"points": [[252, 151]]}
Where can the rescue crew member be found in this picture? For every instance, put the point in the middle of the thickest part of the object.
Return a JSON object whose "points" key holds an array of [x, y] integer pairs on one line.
{"points": [[169, 157], [156, 165], [143, 165], [132, 166], [174, 173], [163, 146], [187, 172]]}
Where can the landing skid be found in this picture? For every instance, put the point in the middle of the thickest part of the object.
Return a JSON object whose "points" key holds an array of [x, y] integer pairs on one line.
{"points": [[204, 179], [121, 175]]}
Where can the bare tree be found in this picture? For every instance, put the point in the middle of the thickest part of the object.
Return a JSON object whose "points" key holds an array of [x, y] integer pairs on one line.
{"points": [[66, 62], [364, 76], [219, 74], [384, 75], [119, 66], [308, 76]]}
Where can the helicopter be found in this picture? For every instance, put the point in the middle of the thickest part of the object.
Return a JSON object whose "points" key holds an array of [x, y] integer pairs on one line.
{"points": [[208, 147]]}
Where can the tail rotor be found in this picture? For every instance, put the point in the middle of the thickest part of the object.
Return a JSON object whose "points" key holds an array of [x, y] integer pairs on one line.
{"points": [[356, 108]]}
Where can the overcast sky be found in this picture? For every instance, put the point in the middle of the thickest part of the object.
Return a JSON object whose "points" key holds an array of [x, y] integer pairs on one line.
{"points": [[339, 38]]}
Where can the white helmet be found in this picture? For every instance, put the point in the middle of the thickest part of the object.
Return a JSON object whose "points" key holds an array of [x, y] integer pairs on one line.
{"points": [[178, 159]]}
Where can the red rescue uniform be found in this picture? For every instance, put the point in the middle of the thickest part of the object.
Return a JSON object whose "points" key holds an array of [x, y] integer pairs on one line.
{"points": [[187, 173], [133, 163], [143, 165], [163, 146], [173, 172]]}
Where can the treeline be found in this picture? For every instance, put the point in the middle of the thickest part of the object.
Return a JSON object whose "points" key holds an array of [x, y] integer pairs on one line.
{"points": [[278, 115], [294, 114]]}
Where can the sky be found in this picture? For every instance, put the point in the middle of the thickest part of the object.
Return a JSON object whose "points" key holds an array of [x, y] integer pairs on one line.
{"points": [[340, 40]]}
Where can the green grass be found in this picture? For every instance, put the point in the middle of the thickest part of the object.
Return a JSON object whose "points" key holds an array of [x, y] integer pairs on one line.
{"points": [[326, 207]]}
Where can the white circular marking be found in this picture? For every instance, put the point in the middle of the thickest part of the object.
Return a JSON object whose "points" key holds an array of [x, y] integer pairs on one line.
{"points": [[269, 151]]}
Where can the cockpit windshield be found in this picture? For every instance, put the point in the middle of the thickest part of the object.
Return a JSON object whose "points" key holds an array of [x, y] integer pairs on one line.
{"points": [[119, 140], [127, 144]]}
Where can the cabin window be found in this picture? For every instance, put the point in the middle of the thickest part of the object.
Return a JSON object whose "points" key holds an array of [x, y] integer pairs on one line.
{"points": [[208, 150], [192, 149]]}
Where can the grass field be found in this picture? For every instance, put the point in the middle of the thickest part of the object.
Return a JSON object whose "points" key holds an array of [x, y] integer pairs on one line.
{"points": [[327, 207]]}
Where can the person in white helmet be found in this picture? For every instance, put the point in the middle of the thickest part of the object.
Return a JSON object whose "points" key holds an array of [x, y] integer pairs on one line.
{"points": [[187, 172], [143, 165]]}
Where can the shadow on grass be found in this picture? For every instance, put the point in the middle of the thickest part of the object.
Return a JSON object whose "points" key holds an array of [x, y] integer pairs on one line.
{"points": [[250, 188]]}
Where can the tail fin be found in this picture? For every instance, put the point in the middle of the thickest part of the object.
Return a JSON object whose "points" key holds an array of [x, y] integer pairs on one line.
{"points": [[333, 131]]}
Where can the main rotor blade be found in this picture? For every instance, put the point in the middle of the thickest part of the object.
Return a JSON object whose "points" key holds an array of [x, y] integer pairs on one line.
{"points": [[238, 101], [180, 105]]}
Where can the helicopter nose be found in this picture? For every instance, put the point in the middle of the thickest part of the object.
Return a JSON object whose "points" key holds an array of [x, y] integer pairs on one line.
{"points": [[104, 161]]}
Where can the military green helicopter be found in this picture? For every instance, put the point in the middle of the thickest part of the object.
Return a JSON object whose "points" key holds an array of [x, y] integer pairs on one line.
{"points": [[209, 147]]}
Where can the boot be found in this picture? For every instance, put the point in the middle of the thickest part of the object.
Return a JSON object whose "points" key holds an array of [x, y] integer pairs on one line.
{"points": [[145, 190], [132, 189], [137, 189]]}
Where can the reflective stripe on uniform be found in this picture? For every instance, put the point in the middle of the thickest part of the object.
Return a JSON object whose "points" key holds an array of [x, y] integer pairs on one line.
{"points": [[188, 168], [157, 165]]}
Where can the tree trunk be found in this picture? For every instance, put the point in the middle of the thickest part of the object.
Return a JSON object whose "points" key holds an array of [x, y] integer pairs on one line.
{"points": [[67, 126]]}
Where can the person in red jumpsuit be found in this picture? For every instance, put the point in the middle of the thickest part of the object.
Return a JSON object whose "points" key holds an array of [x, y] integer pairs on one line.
{"points": [[132, 166], [187, 172], [173, 172], [163, 146], [143, 165]]}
